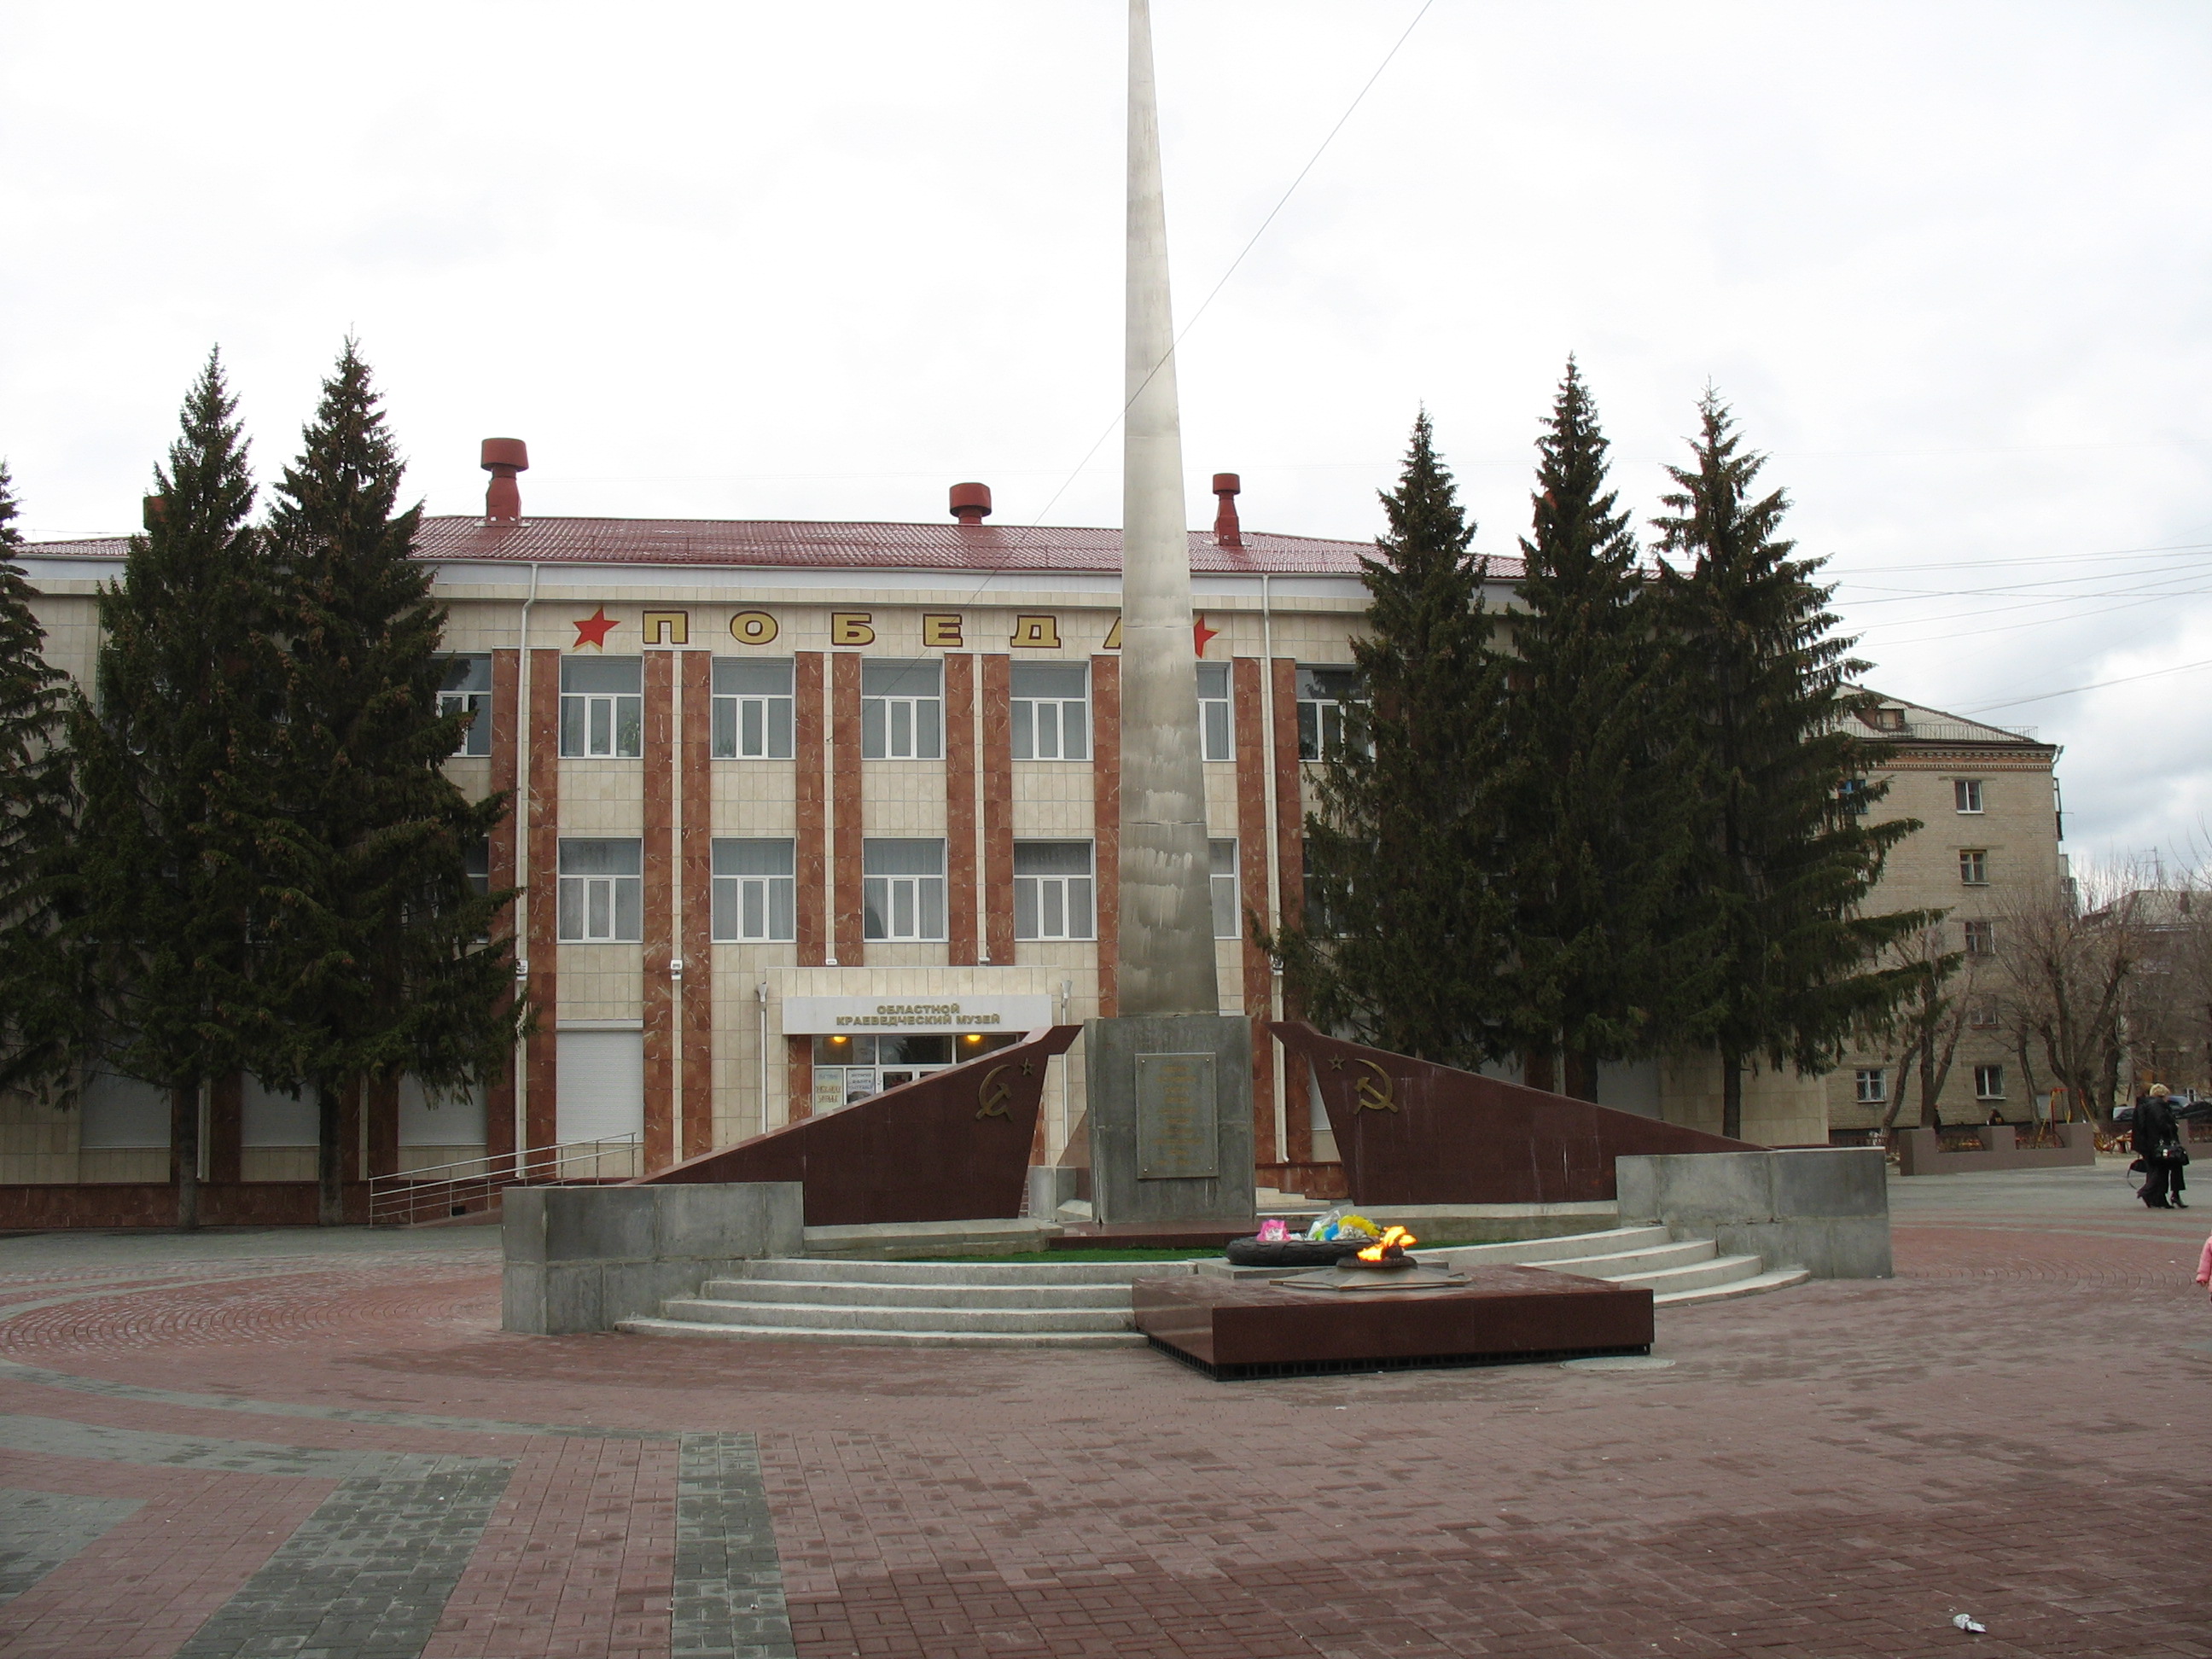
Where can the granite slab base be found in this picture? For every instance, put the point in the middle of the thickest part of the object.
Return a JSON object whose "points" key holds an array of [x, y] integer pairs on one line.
{"points": [[1233, 1329]]}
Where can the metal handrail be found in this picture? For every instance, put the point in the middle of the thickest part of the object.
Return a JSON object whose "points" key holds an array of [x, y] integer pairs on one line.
{"points": [[430, 1194]]}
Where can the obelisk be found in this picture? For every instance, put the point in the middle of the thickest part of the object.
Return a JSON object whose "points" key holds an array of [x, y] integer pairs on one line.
{"points": [[1170, 1078]]}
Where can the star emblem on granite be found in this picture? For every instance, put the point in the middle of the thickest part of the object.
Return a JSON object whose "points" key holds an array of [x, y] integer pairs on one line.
{"points": [[593, 629], [1028, 1067], [1336, 1062], [1199, 633]]}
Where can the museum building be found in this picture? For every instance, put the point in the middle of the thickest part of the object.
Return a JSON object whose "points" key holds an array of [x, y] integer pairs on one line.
{"points": [[804, 810]]}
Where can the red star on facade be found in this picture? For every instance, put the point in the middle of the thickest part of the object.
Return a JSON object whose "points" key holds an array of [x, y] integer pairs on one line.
{"points": [[593, 629], [1200, 633]]}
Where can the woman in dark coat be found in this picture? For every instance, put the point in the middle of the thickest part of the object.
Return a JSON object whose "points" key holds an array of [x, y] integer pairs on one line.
{"points": [[2157, 1139]]}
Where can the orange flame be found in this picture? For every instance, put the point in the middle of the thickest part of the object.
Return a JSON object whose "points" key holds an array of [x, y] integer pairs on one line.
{"points": [[1396, 1237]]}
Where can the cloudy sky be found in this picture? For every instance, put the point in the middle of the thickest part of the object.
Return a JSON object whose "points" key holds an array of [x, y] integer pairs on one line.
{"points": [[1951, 262]]}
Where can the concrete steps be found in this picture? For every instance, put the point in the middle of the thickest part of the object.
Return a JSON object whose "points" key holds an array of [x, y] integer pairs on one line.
{"points": [[1085, 1304], [1677, 1271], [937, 1304]]}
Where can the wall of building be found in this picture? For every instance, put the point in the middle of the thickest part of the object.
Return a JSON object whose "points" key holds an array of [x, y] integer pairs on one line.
{"points": [[2017, 829]]}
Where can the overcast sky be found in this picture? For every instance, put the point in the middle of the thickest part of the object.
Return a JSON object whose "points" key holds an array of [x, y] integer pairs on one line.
{"points": [[1950, 263]]}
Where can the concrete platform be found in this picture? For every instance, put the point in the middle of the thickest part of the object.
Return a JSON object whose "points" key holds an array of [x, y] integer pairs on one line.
{"points": [[1242, 1327]]}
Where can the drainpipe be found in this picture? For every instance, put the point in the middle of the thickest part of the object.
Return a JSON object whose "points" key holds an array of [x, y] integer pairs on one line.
{"points": [[521, 809], [760, 991], [1272, 853]]}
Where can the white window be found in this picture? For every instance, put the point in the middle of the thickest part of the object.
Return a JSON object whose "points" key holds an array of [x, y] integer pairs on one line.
{"points": [[902, 889], [602, 891], [752, 708], [1988, 1083], [1974, 866], [756, 891], [1873, 1086], [602, 708], [1052, 711], [1221, 859], [1215, 729], [1323, 694], [1981, 939], [467, 691], [902, 710], [1052, 890], [1967, 792], [1983, 1013]]}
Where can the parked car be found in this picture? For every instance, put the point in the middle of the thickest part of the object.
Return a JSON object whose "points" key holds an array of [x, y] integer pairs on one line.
{"points": [[2187, 1105]]}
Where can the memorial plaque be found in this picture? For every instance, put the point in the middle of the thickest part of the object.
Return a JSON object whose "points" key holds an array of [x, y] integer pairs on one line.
{"points": [[1177, 1131]]}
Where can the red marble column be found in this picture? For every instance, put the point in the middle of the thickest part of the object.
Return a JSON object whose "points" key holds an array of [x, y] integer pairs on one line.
{"points": [[960, 808], [1106, 823], [847, 827], [999, 810], [1290, 879], [799, 1077], [543, 787], [506, 724], [1253, 853], [226, 1128], [659, 850], [694, 931], [809, 736], [382, 1104]]}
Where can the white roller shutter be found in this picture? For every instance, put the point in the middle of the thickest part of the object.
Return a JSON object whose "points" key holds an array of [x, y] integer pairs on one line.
{"points": [[452, 1119], [121, 1112], [602, 1085], [267, 1118]]}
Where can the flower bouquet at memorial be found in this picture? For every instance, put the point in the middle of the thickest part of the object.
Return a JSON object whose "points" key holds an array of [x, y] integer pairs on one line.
{"points": [[1332, 1237]]}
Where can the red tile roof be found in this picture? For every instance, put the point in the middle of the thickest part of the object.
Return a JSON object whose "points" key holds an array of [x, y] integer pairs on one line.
{"points": [[859, 545]]}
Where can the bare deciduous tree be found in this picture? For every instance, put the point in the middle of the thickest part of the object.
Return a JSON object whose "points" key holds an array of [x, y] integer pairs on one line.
{"points": [[2070, 954]]}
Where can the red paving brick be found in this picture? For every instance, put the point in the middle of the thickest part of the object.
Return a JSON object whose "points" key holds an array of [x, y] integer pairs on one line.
{"points": [[2007, 1429]]}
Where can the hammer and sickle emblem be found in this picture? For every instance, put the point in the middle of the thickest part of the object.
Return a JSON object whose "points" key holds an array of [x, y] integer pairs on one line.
{"points": [[993, 1097], [1377, 1093]]}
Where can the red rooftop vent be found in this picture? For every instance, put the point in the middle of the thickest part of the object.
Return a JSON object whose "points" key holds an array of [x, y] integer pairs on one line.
{"points": [[971, 503], [503, 457], [1227, 532]]}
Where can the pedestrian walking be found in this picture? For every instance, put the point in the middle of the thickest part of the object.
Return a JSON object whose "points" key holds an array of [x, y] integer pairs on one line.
{"points": [[2204, 1265], [2159, 1151]]}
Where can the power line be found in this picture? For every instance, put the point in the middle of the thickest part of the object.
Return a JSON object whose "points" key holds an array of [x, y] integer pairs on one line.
{"points": [[2095, 685]]}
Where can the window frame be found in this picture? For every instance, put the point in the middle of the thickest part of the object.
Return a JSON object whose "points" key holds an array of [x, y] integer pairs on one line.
{"points": [[1217, 715], [1967, 796], [775, 892], [1074, 894], [924, 894], [581, 711], [622, 893], [1870, 1086], [880, 713], [1981, 937], [1069, 722], [1326, 720], [470, 699], [1989, 1081], [775, 713], [1974, 867], [1215, 878]]}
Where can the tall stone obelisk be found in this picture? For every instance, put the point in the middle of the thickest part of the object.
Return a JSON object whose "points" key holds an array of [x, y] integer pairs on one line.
{"points": [[1169, 1079]]}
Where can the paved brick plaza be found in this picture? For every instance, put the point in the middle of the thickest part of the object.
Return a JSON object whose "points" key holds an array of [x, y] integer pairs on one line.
{"points": [[321, 1445]]}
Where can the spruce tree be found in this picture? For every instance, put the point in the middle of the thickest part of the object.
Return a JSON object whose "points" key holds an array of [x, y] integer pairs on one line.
{"points": [[1404, 942], [1599, 824], [40, 1017], [1785, 853], [173, 761], [376, 957]]}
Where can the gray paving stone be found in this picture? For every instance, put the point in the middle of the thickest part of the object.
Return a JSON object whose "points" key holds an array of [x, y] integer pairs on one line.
{"points": [[728, 1601], [368, 1575], [39, 1530], [58, 1436]]}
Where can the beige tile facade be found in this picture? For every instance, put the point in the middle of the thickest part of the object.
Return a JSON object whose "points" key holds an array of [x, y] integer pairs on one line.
{"points": [[1299, 618]]}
